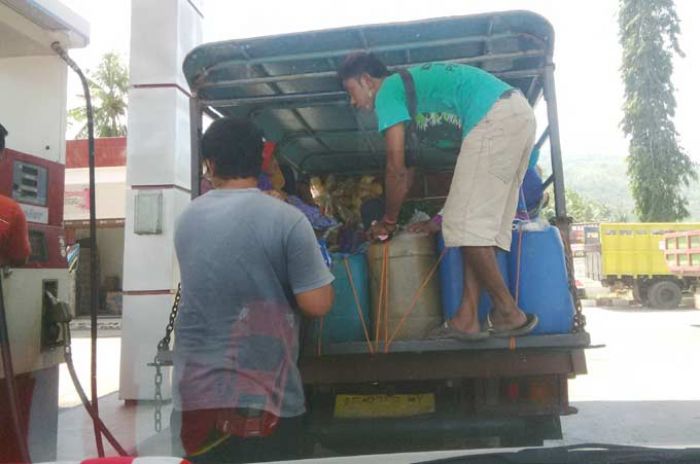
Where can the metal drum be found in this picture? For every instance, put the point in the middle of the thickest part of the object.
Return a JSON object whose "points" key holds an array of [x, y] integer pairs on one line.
{"points": [[410, 258]]}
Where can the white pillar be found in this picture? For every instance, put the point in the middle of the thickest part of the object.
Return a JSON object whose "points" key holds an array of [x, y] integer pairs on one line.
{"points": [[158, 179]]}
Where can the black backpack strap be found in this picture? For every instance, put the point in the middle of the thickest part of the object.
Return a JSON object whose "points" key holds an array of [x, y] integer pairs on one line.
{"points": [[410, 89], [411, 151]]}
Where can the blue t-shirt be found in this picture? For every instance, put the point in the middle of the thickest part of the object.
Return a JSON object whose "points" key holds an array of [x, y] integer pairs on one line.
{"points": [[243, 256], [465, 91]]}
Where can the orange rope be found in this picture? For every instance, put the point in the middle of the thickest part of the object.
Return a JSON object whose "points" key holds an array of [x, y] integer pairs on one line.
{"points": [[358, 305], [511, 340], [517, 264], [382, 304], [419, 293], [386, 294], [380, 301]]}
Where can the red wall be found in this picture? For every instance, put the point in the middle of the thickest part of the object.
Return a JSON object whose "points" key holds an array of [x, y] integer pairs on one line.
{"points": [[109, 152]]}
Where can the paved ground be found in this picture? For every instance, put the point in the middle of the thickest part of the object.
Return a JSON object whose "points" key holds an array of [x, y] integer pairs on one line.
{"points": [[642, 387], [131, 425], [108, 347]]}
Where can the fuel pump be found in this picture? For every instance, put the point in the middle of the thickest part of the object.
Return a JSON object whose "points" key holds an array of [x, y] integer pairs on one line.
{"points": [[34, 301], [33, 75]]}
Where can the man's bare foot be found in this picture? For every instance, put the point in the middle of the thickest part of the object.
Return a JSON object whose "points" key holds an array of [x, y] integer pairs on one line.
{"points": [[469, 327], [447, 330], [507, 320]]}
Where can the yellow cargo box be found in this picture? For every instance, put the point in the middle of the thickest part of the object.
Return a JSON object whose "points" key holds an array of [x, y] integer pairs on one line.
{"points": [[636, 249]]}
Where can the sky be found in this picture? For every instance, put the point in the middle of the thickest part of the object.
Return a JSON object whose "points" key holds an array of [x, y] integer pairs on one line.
{"points": [[587, 51]]}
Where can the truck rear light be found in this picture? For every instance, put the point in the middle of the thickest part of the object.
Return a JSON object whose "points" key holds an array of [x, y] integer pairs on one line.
{"points": [[540, 391], [513, 391]]}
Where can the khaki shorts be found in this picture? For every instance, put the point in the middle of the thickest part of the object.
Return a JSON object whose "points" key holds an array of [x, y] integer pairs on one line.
{"points": [[483, 197]]}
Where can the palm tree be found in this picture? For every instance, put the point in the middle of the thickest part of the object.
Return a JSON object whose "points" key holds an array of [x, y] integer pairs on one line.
{"points": [[108, 88]]}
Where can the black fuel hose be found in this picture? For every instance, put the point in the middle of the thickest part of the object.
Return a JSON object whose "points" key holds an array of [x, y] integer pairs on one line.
{"points": [[10, 385], [94, 291], [97, 421]]}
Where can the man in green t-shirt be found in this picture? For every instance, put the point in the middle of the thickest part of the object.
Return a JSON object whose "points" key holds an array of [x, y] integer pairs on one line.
{"points": [[498, 130]]}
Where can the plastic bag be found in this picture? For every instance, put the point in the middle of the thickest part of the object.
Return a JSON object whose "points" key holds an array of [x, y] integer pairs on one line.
{"points": [[418, 216], [319, 190]]}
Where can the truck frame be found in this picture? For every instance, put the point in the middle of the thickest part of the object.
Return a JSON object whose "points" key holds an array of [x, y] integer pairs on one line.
{"points": [[497, 392]]}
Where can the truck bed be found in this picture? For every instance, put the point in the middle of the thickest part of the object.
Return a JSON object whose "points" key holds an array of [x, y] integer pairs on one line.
{"points": [[468, 381], [444, 359]]}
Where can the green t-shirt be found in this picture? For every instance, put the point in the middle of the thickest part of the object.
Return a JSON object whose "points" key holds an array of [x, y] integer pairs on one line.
{"points": [[465, 91]]}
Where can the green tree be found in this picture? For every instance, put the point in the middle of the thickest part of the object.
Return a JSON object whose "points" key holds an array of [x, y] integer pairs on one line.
{"points": [[584, 209], [657, 166], [108, 88]]}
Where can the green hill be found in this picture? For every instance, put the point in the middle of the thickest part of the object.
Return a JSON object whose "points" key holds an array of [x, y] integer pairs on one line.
{"points": [[603, 178]]}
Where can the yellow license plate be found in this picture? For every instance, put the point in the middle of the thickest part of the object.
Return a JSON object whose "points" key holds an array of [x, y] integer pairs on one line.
{"points": [[368, 406]]}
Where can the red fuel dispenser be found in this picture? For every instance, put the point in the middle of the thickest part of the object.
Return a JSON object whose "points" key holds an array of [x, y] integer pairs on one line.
{"points": [[36, 332]]}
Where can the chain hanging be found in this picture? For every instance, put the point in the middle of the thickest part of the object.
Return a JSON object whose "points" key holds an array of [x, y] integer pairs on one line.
{"points": [[158, 410], [564, 225], [164, 343], [163, 346]]}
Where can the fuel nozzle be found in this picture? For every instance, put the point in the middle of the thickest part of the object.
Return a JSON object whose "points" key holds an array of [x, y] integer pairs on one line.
{"points": [[55, 317], [58, 310]]}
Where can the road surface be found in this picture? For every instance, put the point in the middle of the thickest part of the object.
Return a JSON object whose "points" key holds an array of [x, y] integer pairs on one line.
{"points": [[641, 387]]}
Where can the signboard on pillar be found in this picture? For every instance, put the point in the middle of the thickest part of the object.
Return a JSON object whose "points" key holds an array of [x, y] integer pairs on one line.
{"points": [[158, 178]]}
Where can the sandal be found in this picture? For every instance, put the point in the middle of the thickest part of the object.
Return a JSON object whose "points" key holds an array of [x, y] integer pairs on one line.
{"points": [[445, 330], [530, 323]]}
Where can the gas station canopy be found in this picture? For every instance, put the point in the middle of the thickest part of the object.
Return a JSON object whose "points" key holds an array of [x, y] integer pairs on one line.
{"points": [[28, 27]]}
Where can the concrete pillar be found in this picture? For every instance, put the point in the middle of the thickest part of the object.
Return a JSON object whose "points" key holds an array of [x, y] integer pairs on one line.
{"points": [[158, 179]]}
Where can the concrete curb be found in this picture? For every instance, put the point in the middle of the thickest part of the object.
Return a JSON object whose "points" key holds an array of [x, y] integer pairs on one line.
{"points": [[615, 302], [103, 324]]}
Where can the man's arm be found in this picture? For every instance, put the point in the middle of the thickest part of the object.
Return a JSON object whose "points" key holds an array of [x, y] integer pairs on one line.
{"points": [[308, 275], [316, 303], [398, 178]]}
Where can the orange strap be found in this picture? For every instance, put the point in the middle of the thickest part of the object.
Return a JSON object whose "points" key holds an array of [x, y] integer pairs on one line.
{"points": [[386, 293], [417, 296], [383, 303], [358, 305], [380, 300], [512, 340], [517, 264]]}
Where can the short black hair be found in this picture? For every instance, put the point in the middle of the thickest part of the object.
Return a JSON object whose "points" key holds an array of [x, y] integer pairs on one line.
{"points": [[358, 63], [235, 146], [290, 180], [3, 134]]}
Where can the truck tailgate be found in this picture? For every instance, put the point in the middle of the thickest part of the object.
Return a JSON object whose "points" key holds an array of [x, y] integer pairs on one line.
{"points": [[445, 359]]}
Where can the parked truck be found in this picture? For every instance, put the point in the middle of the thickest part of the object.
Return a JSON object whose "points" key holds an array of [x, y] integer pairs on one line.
{"points": [[682, 252], [417, 394], [631, 256]]}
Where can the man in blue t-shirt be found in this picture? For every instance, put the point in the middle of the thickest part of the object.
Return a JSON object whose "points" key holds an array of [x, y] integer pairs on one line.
{"points": [[250, 268], [498, 130]]}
